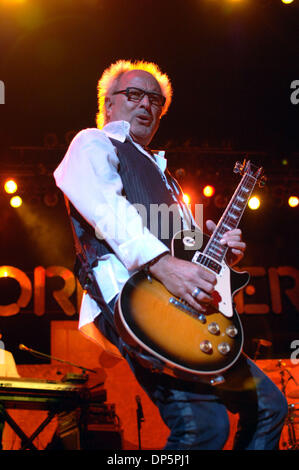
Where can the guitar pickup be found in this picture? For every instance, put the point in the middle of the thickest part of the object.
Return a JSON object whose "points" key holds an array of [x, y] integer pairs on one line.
{"points": [[208, 262], [187, 309]]}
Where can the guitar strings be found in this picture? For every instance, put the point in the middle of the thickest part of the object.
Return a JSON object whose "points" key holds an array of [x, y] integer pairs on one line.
{"points": [[230, 218]]}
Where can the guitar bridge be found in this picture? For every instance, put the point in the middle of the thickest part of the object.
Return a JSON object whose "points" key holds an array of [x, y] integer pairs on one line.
{"points": [[187, 309]]}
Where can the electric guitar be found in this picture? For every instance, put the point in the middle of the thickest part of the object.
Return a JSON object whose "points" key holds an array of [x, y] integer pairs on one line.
{"points": [[183, 342]]}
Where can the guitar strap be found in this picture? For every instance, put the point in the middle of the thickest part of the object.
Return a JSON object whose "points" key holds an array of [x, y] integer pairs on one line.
{"points": [[83, 270]]}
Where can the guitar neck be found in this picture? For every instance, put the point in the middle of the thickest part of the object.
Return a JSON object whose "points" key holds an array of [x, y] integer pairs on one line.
{"points": [[231, 217]]}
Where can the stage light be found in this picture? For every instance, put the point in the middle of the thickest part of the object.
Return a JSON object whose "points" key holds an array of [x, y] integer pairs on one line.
{"points": [[186, 198], [10, 186], [254, 203], [3, 272], [16, 201], [287, 1], [208, 191], [293, 201]]}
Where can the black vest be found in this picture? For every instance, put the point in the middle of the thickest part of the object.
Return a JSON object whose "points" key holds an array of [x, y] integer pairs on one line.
{"points": [[142, 185]]}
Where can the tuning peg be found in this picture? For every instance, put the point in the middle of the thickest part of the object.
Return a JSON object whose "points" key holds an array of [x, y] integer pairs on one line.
{"points": [[262, 181], [239, 167]]}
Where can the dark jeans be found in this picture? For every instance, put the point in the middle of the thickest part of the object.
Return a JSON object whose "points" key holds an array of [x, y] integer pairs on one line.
{"points": [[196, 413]]}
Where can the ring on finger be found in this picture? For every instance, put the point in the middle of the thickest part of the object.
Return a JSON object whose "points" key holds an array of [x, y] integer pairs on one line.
{"points": [[196, 292]]}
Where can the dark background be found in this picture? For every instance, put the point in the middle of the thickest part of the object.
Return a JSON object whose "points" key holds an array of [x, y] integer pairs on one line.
{"points": [[231, 64]]}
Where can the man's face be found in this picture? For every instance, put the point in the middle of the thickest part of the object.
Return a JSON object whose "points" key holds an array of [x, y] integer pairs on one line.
{"points": [[144, 117]]}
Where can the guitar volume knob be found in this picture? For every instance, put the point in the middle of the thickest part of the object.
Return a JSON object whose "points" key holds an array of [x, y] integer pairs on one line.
{"points": [[231, 331], [206, 346], [224, 348], [213, 328]]}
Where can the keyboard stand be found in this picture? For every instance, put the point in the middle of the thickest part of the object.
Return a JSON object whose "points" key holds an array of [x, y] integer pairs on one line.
{"points": [[27, 442]]}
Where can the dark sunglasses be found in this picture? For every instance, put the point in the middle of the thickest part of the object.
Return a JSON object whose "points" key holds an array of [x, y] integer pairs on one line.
{"points": [[137, 94]]}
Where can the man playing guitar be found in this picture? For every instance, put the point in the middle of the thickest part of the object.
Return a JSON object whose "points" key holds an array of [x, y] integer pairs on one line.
{"points": [[105, 173]]}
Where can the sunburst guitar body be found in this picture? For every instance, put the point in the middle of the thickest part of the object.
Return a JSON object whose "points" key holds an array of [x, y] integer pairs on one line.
{"points": [[184, 342]]}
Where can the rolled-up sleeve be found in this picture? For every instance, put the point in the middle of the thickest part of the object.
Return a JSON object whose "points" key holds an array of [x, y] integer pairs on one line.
{"points": [[88, 176]]}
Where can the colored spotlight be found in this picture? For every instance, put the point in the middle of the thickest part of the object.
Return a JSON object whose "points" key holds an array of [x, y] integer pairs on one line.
{"points": [[254, 203], [287, 1], [3, 272], [16, 201], [293, 201], [186, 198], [10, 186], [208, 191]]}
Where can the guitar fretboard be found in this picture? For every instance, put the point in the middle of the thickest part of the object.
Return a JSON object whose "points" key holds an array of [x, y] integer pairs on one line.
{"points": [[231, 217]]}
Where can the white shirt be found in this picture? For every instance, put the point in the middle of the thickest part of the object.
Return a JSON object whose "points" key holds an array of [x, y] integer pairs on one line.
{"points": [[89, 178]]}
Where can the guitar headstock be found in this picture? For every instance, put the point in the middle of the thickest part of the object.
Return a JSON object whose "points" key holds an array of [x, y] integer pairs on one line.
{"points": [[247, 168]]}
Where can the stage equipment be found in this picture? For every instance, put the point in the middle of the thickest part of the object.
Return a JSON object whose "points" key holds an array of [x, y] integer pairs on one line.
{"points": [[293, 201], [254, 203], [36, 394], [140, 419], [260, 342], [100, 428], [208, 191], [16, 201], [10, 186], [85, 421], [292, 440]]}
